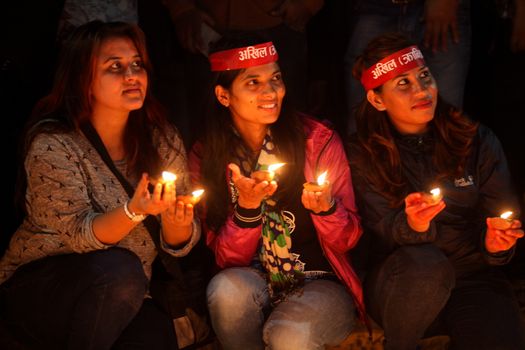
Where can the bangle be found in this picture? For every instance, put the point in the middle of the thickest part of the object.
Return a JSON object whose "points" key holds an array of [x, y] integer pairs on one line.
{"points": [[245, 218], [131, 215]]}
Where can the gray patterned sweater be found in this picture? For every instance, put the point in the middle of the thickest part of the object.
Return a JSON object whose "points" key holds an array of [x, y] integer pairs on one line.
{"points": [[68, 185]]}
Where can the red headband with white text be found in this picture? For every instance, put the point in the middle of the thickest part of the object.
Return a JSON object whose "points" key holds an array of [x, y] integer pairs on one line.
{"points": [[391, 66], [243, 57]]}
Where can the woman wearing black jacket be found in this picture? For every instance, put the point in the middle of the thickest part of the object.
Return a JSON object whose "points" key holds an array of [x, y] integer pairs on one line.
{"points": [[431, 257]]}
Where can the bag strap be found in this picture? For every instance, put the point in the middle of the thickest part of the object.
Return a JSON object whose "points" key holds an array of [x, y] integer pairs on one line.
{"points": [[152, 225]]}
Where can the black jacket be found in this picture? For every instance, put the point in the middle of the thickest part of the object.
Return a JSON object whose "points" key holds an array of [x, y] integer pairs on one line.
{"points": [[484, 190]]}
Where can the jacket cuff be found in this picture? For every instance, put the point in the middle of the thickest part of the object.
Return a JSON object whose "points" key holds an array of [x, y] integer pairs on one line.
{"points": [[404, 234], [247, 218]]}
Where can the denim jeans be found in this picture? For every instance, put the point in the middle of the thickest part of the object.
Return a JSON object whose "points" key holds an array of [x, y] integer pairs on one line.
{"points": [[74, 301], [449, 68], [414, 293], [323, 314]]}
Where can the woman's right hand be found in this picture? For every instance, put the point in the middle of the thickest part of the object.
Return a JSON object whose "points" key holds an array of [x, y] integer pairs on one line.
{"points": [[419, 213], [144, 202], [251, 192]]}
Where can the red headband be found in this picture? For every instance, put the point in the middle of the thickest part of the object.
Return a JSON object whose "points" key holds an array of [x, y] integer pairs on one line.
{"points": [[391, 66], [243, 57]]}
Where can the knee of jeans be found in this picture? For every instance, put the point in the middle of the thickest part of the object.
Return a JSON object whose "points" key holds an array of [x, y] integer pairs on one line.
{"points": [[121, 271], [424, 264], [233, 288], [287, 335]]}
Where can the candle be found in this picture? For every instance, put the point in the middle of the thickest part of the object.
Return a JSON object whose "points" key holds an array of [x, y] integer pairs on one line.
{"points": [[503, 222], [266, 175], [317, 186], [433, 197], [167, 176], [193, 199]]}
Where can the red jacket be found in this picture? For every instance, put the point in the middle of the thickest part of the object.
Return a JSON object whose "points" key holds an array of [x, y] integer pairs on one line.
{"points": [[337, 232]]}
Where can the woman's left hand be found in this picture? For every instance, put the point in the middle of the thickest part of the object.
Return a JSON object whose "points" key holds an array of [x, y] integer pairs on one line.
{"points": [[501, 240], [318, 201]]}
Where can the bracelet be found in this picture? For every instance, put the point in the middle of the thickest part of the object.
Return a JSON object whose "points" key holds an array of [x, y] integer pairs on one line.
{"points": [[132, 216], [246, 219]]}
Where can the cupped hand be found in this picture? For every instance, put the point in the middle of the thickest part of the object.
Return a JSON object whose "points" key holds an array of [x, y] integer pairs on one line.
{"points": [[318, 201], [251, 192], [501, 240], [144, 202], [419, 213]]}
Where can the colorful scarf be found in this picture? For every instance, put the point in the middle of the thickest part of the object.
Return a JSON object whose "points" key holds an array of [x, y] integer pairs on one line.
{"points": [[284, 270]]}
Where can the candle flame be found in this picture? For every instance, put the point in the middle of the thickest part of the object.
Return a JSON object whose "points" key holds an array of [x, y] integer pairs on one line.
{"points": [[322, 178], [435, 191], [274, 167], [167, 176], [197, 193], [506, 215]]}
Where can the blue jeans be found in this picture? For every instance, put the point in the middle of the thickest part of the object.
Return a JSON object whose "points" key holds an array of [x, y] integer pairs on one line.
{"points": [[414, 293], [75, 301], [449, 68], [239, 305]]}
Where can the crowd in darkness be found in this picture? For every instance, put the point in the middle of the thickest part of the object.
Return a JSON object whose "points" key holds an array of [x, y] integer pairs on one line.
{"points": [[494, 91]]}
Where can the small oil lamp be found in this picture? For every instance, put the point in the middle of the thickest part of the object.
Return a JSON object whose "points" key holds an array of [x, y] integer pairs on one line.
{"points": [[266, 175], [168, 177], [193, 199], [503, 222], [317, 186], [433, 197]]}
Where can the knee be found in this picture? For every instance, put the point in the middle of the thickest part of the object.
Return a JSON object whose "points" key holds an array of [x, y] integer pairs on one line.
{"points": [[235, 288], [120, 272], [423, 265]]}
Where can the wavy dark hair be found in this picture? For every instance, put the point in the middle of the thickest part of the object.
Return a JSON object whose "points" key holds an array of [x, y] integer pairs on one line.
{"points": [[378, 157], [69, 103], [219, 141]]}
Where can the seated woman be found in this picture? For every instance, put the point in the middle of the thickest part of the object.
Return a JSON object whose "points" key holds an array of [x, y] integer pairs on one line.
{"points": [[77, 270], [431, 255], [286, 281]]}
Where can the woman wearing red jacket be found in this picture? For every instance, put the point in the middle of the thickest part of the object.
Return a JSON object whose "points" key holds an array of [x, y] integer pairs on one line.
{"points": [[285, 280]]}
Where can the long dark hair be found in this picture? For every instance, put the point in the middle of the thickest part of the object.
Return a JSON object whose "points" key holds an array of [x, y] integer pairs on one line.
{"points": [[69, 104], [219, 141], [378, 156]]}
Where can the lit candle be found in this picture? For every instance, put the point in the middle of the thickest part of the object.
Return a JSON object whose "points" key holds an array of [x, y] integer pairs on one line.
{"points": [[317, 186], [167, 176], [503, 222], [433, 197], [194, 198], [266, 175]]}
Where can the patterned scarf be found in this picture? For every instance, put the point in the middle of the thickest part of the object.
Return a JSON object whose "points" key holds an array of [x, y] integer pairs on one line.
{"points": [[284, 270]]}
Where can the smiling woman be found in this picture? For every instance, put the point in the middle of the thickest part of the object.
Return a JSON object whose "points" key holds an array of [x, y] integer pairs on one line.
{"points": [[285, 280]]}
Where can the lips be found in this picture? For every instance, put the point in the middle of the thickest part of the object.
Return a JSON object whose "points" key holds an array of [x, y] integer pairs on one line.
{"points": [[132, 91], [423, 104]]}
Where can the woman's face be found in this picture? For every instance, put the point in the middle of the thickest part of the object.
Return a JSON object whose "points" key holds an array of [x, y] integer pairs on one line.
{"points": [[255, 96], [120, 80], [409, 99]]}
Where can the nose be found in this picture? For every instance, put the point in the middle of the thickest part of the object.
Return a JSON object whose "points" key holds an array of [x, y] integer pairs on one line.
{"points": [[130, 73]]}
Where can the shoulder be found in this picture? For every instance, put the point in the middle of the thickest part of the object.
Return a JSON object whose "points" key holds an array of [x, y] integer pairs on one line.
{"points": [[316, 129]]}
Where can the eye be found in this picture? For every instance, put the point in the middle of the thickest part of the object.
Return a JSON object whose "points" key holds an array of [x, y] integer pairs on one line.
{"points": [[138, 64], [252, 82], [402, 82], [115, 66], [277, 77]]}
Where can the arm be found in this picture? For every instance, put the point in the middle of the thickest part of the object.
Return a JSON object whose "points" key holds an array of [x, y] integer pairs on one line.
{"points": [[496, 195], [232, 244], [341, 229], [297, 13]]}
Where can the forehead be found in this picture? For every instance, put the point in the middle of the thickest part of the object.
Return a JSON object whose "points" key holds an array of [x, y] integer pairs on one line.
{"points": [[117, 47], [262, 70], [413, 71]]}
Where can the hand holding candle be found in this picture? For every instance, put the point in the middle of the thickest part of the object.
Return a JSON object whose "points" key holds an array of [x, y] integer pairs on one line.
{"points": [[266, 175], [503, 222], [317, 186], [433, 197]]}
